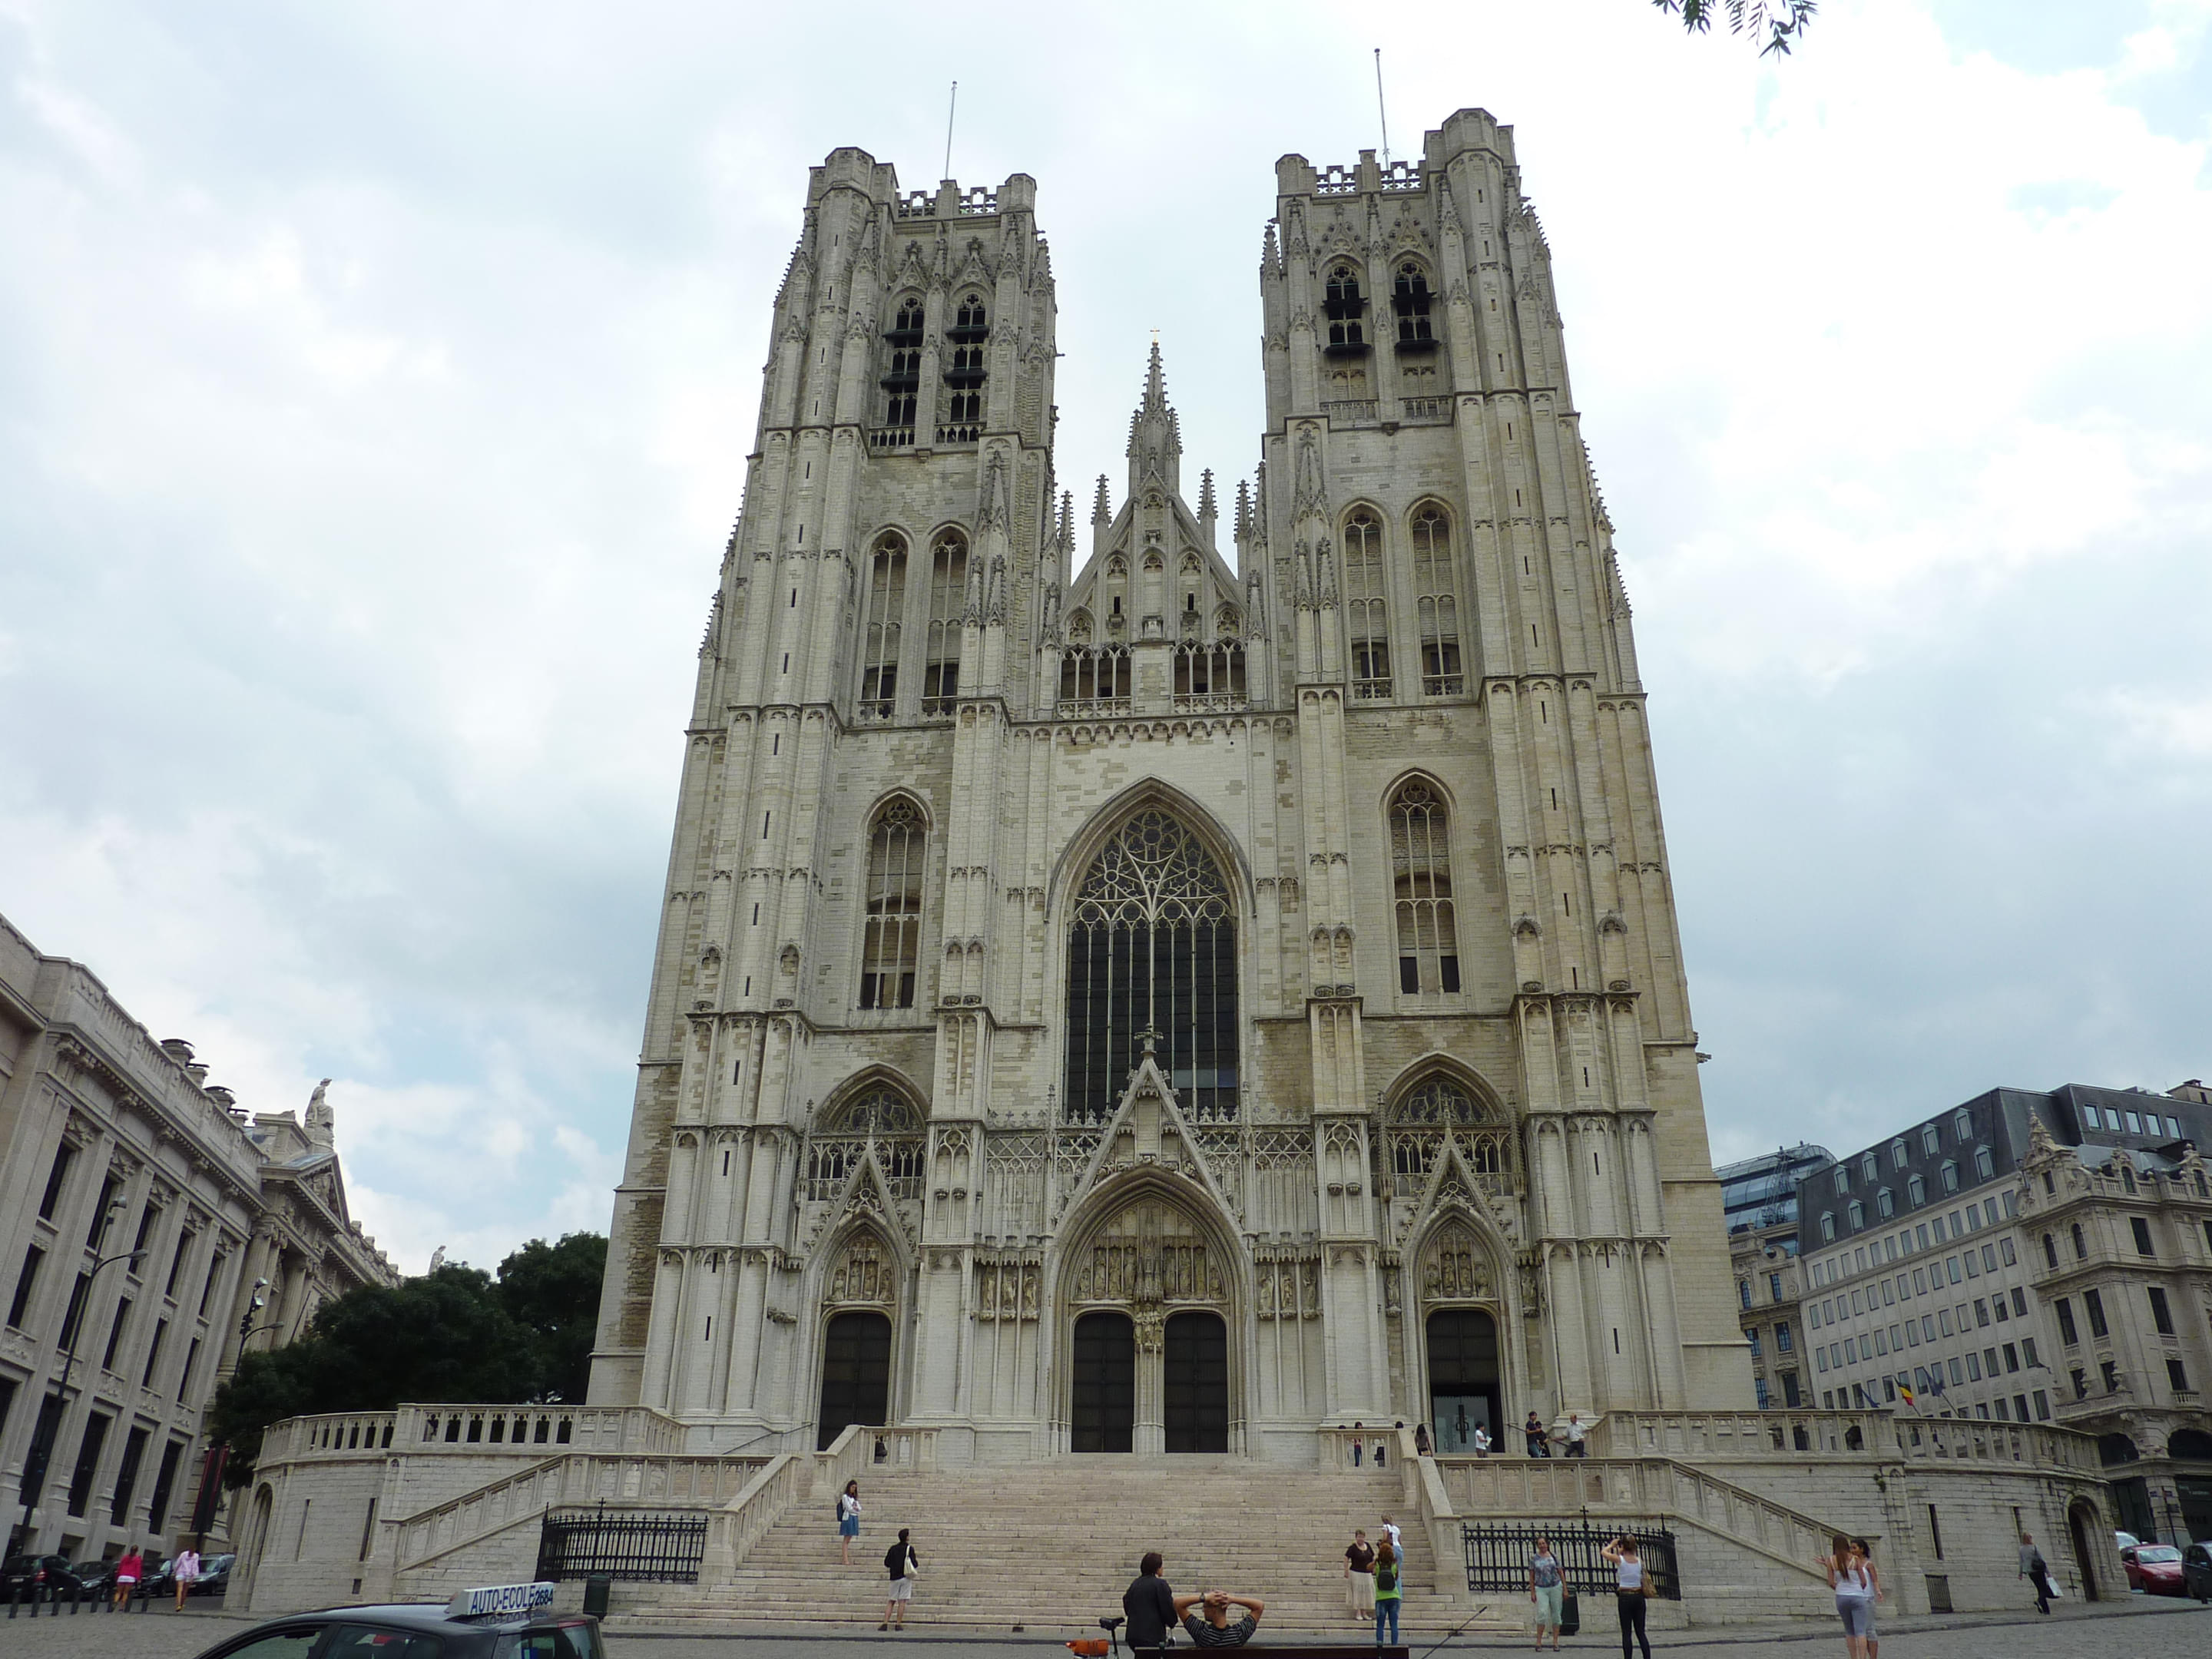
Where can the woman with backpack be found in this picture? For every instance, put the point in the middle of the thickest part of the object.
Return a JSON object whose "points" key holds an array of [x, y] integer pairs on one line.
{"points": [[849, 1517], [1387, 1592]]}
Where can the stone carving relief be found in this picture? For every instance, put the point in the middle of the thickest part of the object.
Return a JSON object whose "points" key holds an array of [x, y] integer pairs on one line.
{"points": [[1149, 1254], [1456, 1268], [1006, 1288], [865, 1272]]}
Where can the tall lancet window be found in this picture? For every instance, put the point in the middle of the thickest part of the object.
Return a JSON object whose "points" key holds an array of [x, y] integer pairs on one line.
{"points": [[1440, 676], [1151, 956], [948, 586], [969, 338], [1366, 617], [1420, 864], [902, 373], [892, 951], [886, 605]]}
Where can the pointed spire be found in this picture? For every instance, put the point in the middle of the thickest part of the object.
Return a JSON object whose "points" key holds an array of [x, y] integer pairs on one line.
{"points": [[1101, 513], [1156, 387], [1155, 435], [1208, 516], [1271, 257], [1066, 532], [1243, 510]]}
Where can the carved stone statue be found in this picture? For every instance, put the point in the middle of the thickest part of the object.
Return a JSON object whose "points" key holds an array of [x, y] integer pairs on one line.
{"points": [[319, 1124]]}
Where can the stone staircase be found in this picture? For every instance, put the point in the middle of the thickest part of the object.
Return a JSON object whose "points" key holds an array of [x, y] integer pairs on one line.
{"points": [[1051, 1546]]}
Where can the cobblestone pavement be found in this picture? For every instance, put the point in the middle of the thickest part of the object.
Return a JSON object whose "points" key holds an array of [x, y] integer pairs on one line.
{"points": [[2137, 1630]]}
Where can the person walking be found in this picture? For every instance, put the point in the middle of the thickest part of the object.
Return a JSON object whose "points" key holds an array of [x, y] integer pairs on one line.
{"points": [[1387, 1595], [1865, 1554], [1547, 1588], [128, 1572], [2034, 1568], [849, 1517], [1540, 1444], [904, 1566], [1359, 1577], [185, 1574], [1631, 1591], [1854, 1590], [1397, 1539]]}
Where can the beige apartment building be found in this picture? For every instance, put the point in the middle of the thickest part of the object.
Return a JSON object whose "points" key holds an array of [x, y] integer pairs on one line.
{"points": [[141, 1212]]}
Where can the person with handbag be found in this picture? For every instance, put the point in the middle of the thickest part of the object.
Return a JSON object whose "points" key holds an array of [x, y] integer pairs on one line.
{"points": [[1631, 1590], [904, 1566], [1546, 1586], [185, 1574]]}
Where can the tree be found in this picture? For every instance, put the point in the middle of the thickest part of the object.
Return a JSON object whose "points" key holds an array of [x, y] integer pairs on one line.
{"points": [[1782, 23], [553, 1292]]}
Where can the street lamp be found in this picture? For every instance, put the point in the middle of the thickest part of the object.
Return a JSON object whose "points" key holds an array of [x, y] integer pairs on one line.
{"points": [[42, 1446]]}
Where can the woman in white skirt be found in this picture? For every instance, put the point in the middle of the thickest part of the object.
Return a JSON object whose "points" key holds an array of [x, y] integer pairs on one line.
{"points": [[1359, 1578]]}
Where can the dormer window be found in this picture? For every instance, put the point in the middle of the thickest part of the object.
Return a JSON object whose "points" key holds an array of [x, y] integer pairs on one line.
{"points": [[1409, 298], [1344, 307]]}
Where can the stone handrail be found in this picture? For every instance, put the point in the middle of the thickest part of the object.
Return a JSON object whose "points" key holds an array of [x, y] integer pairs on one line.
{"points": [[1336, 1444], [2043, 1444], [787, 1479], [476, 1431], [897, 1447], [846, 1459], [576, 1478], [1874, 1433]]}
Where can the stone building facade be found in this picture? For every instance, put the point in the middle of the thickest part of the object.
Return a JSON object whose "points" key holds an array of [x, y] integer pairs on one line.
{"points": [[1169, 994], [138, 1207]]}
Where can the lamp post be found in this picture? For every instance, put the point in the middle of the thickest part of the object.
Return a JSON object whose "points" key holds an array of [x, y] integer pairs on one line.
{"points": [[40, 1456]]}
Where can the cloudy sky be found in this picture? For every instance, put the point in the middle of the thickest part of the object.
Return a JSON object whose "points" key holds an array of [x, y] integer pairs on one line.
{"points": [[375, 383]]}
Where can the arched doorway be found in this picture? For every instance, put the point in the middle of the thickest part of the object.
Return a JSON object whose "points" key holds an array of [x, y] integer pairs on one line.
{"points": [[2081, 1523], [1194, 1382], [1463, 1380], [1103, 1414], [856, 1374]]}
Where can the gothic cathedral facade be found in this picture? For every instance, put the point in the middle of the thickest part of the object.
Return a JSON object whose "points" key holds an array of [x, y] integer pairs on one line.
{"points": [[1132, 998]]}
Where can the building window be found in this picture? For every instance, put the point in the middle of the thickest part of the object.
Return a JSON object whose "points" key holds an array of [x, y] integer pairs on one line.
{"points": [[2049, 1251], [1931, 1139], [1152, 958], [1858, 1212], [2108, 1372], [1758, 1386], [56, 1178], [969, 338], [2094, 1301], [2177, 1375], [1094, 674], [2160, 1315], [1984, 1166], [1215, 671], [1344, 306], [2067, 1332], [1962, 1129], [1828, 1226], [948, 586], [1409, 298], [886, 609], [1439, 1107], [1916, 1191], [890, 953], [1898, 1156], [880, 1118], [1950, 1176], [1774, 1287], [2142, 1229], [1366, 615], [1744, 1293], [1420, 859], [2081, 1246], [1782, 1338], [902, 373], [1792, 1396], [1870, 1169], [1751, 1336], [26, 1281], [2028, 1352], [2079, 1379], [1438, 604], [1884, 1204], [1843, 1178]]}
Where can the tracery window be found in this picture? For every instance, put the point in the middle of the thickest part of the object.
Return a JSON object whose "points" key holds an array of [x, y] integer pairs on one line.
{"points": [[881, 1118], [890, 953], [1410, 300], [1439, 603], [1152, 952], [902, 370], [969, 338], [886, 605], [948, 587], [1439, 1109], [1094, 680], [1210, 676], [1366, 615], [1420, 864], [1345, 307]]}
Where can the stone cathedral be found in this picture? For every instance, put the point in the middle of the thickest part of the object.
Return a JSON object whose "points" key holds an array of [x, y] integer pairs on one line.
{"points": [[1129, 993]]}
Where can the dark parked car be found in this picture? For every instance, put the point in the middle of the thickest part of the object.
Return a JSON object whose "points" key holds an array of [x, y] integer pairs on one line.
{"points": [[43, 1575], [2154, 1569], [215, 1575], [523, 1626], [2197, 1571]]}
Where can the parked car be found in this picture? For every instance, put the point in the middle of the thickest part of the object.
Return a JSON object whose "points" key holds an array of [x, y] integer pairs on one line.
{"points": [[41, 1575], [2154, 1569], [2126, 1540], [2197, 1571], [214, 1575], [518, 1623]]}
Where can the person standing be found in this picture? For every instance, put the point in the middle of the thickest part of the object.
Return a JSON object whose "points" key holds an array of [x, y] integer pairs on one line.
{"points": [[1397, 1539], [1631, 1590], [1575, 1437], [1547, 1588], [1387, 1595], [2035, 1570], [1357, 1429], [1854, 1590], [1359, 1577], [185, 1573], [1421, 1446], [1150, 1605], [128, 1570], [904, 1566], [849, 1517], [1863, 1551], [1540, 1444], [1481, 1440]]}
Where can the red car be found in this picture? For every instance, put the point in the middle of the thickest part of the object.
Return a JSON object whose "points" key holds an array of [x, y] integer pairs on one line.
{"points": [[2154, 1569]]}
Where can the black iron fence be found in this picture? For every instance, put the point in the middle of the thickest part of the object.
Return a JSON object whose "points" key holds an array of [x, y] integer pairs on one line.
{"points": [[1497, 1556], [655, 1548]]}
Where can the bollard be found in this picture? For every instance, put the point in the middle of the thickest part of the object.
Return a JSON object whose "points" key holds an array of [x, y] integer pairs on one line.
{"points": [[15, 1601], [76, 1597]]}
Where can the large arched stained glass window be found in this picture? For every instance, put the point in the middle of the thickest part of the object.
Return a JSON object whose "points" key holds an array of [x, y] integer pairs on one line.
{"points": [[1420, 855], [892, 951], [1152, 952]]}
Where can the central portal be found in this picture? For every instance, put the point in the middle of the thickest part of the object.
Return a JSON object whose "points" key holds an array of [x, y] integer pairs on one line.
{"points": [[1104, 1414], [1463, 1391], [856, 1374], [1194, 1383]]}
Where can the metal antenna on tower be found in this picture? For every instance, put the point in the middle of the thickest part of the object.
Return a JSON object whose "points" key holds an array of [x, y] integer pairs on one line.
{"points": [[1383, 113], [952, 104]]}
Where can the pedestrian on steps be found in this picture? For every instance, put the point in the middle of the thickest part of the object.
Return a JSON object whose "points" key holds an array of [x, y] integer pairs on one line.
{"points": [[2034, 1568], [1421, 1446], [1357, 1431], [904, 1566], [1397, 1539], [1359, 1577], [1632, 1590], [1854, 1588], [1387, 1593], [1540, 1444], [849, 1517], [1546, 1586], [1864, 1552]]}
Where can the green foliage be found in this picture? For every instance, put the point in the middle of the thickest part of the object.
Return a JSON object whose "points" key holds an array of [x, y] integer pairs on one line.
{"points": [[1782, 22], [451, 1336]]}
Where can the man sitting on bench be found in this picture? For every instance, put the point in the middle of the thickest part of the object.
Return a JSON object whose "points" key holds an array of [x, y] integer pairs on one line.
{"points": [[1214, 1630]]}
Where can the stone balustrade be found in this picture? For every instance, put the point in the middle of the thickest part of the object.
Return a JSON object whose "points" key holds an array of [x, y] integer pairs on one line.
{"points": [[476, 1431]]}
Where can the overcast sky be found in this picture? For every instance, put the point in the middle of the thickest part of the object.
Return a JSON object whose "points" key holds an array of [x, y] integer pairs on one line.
{"points": [[376, 380]]}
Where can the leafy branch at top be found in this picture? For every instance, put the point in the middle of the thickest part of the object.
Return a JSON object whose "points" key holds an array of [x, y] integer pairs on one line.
{"points": [[1782, 22]]}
